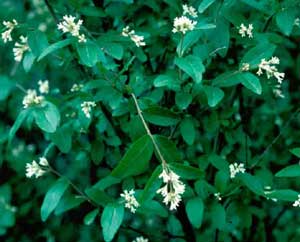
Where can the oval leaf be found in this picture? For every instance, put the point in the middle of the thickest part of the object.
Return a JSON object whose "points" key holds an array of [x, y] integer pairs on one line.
{"points": [[194, 209], [289, 171]]}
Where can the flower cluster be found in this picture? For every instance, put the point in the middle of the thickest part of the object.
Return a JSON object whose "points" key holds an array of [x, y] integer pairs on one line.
{"points": [[244, 31], [236, 168], [76, 87], [68, 25], [130, 201], [140, 239], [86, 107], [173, 189], [37, 169], [218, 196], [297, 202], [245, 67], [43, 86], [137, 39], [270, 69], [32, 98], [6, 35], [189, 10], [20, 48], [183, 24]]}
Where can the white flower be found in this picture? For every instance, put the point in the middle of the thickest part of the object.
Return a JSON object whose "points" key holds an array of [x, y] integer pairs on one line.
{"points": [[130, 201], [189, 10], [43, 86], [218, 196], [297, 202], [34, 169], [297, 22], [20, 48], [68, 25], [86, 107], [183, 24], [236, 168], [32, 98], [140, 239], [137, 39], [245, 67], [173, 189], [243, 30], [6, 35], [76, 87]]}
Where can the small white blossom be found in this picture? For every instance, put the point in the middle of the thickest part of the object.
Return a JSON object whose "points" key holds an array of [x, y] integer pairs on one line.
{"points": [[173, 189], [189, 10], [245, 67], [43, 86], [297, 202], [183, 24], [236, 168], [32, 98], [86, 107], [20, 48], [297, 22], [76, 87], [68, 25], [140, 239], [130, 201], [34, 169], [6, 35], [244, 31], [137, 39], [218, 196]]}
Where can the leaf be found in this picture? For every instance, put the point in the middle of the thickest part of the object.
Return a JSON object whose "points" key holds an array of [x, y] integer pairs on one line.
{"points": [[166, 80], [68, 202], [88, 53], [54, 47], [37, 42], [194, 209], [285, 20], [136, 159], [97, 151], [227, 79], [154, 208], [191, 65], [62, 138], [283, 195], [47, 117], [98, 196], [251, 82], [187, 130], [204, 5], [53, 197], [111, 220], [296, 152], [252, 182], [214, 95], [187, 172], [218, 216], [17, 124], [113, 49], [289, 171], [90, 217], [183, 99], [160, 116], [257, 53], [28, 61], [6, 87], [167, 148]]}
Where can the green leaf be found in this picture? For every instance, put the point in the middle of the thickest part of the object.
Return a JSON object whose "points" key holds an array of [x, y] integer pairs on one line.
{"points": [[154, 208], [160, 116], [191, 65], [90, 217], [98, 196], [194, 209], [37, 42], [283, 195], [218, 216], [54, 47], [285, 20], [166, 80], [47, 117], [97, 151], [17, 124], [62, 138], [136, 159], [53, 197], [252, 182], [289, 171], [296, 152], [113, 49], [92, 11], [111, 220], [251, 82], [167, 148], [68, 202], [183, 99], [204, 5], [28, 61], [219, 162], [214, 95], [187, 172], [88, 53], [187, 130], [6, 87], [257, 53]]}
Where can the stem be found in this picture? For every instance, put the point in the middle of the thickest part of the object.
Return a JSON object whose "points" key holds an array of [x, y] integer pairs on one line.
{"points": [[164, 163]]}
